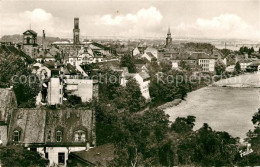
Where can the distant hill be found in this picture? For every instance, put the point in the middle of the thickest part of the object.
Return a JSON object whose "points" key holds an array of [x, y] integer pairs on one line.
{"points": [[19, 38]]}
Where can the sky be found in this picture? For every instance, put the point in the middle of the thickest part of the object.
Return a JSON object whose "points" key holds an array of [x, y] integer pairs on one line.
{"points": [[215, 19]]}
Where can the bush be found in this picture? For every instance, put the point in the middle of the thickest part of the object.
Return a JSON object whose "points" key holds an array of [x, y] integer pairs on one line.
{"points": [[74, 100]]}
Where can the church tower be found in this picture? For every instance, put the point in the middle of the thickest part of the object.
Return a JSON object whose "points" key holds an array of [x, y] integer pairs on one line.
{"points": [[76, 32], [169, 38], [30, 43]]}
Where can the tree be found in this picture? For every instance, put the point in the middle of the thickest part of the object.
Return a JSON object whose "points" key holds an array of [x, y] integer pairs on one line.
{"points": [[17, 156], [183, 125], [15, 72], [219, 67], [238, 67], [206, 147], [184, 65], [166, 66], [135, 100], [140, 138], [168, 86], [74, 100], [128, 61], [254, 136]]}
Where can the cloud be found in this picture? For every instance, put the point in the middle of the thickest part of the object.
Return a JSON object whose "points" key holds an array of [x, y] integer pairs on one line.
{"points": [[144, 22], [38, 19], [222, 26]]}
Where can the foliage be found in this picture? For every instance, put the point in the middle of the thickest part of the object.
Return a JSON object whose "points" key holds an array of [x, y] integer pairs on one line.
{"points": [[140, 137], [206, 147], [17, 156], [135, 100], [165, 66], [247, 50], [226, 52], [219, 67], [254, 136], [128, 98], [165, 87], [184, 65], [238, 67], [15, 72], [128, 61], [183, 125], [109, 82], [252, 159], [74, 100]]}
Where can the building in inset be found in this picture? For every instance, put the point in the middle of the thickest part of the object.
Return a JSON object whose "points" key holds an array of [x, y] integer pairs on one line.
{"points": [[76, 31], [30, 43], [168, 39], [70, 47], [53, 133]]}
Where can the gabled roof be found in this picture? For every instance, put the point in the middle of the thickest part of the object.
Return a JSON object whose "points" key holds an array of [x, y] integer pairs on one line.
{"points": [[150, 49], [98, 156], [70, 69], [31, 122], [144, 75], [150, 55], [35, 124], [30, 31]]}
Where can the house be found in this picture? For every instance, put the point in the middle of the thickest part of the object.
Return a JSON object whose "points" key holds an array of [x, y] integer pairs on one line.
{"points": [[45, 55], [253, 67], [141, 67], [53, 133], [152, 50], [87, 89], [244, 64], [59, 81], [143, 79], [207, 62], [97, 156], [149, 56], [136, 51], [230, 68]]}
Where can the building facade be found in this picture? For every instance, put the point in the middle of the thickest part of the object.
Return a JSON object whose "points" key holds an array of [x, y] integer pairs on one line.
{"points": [[30, 43], [168, 39]]}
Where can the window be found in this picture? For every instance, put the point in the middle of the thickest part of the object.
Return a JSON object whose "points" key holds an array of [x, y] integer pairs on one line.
{"points": [[61, 158], [47, 155], [80, 136], [49, 135], [16, 135], [58, 136]]}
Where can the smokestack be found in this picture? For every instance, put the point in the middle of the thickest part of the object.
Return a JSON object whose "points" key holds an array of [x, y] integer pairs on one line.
{"points": [[43, 34], [43, 39]]}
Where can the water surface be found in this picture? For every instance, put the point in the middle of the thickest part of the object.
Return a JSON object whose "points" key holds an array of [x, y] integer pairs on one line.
{"points": [[223, 108]]}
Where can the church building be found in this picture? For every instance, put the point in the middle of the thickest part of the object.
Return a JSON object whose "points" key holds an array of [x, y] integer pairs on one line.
{"points": [[30, 43]]}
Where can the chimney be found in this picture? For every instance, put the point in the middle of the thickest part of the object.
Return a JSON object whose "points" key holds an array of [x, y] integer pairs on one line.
{"points": [[43, 40]]}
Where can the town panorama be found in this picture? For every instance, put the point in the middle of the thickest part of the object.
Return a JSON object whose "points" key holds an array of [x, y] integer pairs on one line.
{"points": [[129, 83]]}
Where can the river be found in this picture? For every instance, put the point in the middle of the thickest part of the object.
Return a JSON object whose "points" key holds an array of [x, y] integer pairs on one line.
{"points": [[223, 108]]}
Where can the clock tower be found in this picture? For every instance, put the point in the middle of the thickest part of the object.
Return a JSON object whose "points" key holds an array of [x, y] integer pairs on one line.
{"points": [[169, 38], [76, 31]]}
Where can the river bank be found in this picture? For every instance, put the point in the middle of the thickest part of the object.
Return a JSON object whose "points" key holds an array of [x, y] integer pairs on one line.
{"points": [[223, 108], [248, 80]]}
